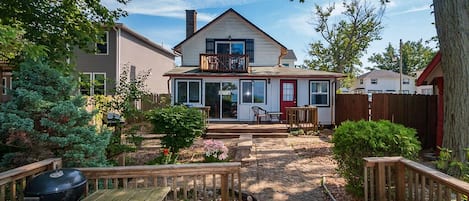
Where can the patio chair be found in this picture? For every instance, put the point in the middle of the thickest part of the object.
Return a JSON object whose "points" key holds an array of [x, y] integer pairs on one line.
{"points": [[259, 113]]}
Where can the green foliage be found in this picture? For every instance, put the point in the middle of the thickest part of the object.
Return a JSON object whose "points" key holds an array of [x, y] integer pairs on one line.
{"points": [[415, 56], [180, 124], [452, 166], [346, 41], [355, 140], [167, 157], [44, 120], [59, 25]]}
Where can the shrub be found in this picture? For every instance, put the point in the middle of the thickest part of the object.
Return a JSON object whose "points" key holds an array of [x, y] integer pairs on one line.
{"points": [[215, 151], [180, 124], [355, 140]]}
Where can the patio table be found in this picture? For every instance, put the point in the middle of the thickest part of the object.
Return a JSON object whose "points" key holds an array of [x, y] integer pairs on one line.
{"points": [[141, 194]]}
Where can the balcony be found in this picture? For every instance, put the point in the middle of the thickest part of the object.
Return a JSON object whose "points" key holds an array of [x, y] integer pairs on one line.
{"points": [[224, 63]]}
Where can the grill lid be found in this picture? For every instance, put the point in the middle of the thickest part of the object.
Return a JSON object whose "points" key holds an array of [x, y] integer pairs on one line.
{"points": [[55, 181]]}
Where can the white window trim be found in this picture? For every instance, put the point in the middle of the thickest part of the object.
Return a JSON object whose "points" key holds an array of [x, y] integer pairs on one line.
{"points": [[375, 80], [405, 81], [264, 87], [326, 93], [187, 91], [107, 45], [230, 42], [92, 78], [361, 81]]}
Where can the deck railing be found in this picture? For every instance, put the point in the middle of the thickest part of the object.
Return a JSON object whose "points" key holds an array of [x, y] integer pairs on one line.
{"points": [[396, 178], [204, 181], [225, 63], [305, 118], [13, 182]]}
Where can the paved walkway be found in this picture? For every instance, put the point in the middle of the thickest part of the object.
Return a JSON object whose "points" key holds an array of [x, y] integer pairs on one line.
{"points": [[275, 172]]}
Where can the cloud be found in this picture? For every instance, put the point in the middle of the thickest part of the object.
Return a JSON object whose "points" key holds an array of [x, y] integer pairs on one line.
{"points": [[174, 8], [299, 23], [411, 10]]}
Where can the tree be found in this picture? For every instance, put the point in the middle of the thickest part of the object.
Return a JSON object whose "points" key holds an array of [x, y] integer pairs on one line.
{"points": [[415, 56], [59, 25], [345, 42], [452, 25], [44, 120]]}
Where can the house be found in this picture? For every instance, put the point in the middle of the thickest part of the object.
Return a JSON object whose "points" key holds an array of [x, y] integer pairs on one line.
{"points": [[426, 89], [231, 65], [383, 81], [5, 74], [433, 74], [289, 59], [122, 46]]}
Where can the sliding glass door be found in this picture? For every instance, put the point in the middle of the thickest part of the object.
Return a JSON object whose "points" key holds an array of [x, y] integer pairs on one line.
{"points": [[222, 97]]}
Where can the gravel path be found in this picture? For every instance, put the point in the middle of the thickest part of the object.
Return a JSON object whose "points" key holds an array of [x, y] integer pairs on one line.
{"points": [[284, 169]]}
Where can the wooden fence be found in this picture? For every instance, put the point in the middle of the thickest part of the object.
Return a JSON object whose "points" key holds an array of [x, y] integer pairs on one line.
{"points": [[414, 111], [396, 178]]}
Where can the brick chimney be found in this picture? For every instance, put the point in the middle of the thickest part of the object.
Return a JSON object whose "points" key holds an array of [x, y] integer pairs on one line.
{"points": [[191, 22]]}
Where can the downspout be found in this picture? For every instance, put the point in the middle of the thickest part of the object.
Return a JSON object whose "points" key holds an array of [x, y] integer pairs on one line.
{"points": [[118, 49], [334, 83], [169, 90], [283, 52]]}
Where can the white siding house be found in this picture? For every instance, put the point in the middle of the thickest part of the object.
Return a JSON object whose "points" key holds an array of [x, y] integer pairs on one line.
{"points": [[231, 65], [289, 59], [383, 81]]}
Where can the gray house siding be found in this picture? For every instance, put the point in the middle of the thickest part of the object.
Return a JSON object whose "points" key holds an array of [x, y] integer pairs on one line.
{"points": [[90, 62]]}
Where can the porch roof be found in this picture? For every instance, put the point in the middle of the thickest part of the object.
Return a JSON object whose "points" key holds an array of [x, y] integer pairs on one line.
{"points": [[265, 71]]}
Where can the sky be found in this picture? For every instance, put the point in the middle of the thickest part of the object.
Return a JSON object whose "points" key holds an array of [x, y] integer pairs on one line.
{"points": [[289, 22]]}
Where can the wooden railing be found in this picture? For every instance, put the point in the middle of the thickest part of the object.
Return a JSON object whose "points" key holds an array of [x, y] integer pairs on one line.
{"points": [[396, 178], [205, 181], [226, 63], [13, 182], [305, 118]]}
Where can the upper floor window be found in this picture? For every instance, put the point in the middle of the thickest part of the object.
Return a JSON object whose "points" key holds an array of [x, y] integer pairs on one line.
{"points": [[253, 91], [286, 65], [93, 84], [374, 81], [4, 85], [233, 46], [361, 81], [319, 93], [102, 47], [188, 92], [229, 47], [405, 81]]}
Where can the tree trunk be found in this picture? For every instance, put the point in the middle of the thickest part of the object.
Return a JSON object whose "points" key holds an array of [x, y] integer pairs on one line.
{"points": [[452, 24]]}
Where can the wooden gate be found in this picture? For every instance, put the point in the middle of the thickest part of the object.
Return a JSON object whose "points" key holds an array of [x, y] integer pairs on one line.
{"points": [[353, 107]]}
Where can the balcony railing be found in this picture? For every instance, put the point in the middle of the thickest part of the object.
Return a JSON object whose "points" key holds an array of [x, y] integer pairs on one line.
{"points": [[224, 63], [396, 178], [204, 181]]}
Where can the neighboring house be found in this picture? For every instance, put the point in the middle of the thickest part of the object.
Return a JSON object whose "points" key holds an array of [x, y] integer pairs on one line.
{"points": [[289, 59], [123, 46], [433, 74], [231, 65], [383, 81], [423, 89]]}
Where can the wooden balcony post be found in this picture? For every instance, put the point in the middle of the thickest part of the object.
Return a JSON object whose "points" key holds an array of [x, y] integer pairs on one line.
{"points": [[381, 182], [400, 181], [224, 187]]}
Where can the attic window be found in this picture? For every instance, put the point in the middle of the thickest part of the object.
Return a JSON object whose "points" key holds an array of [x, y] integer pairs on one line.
{"points": [[361, 81], [405, 81], [374, 81]]}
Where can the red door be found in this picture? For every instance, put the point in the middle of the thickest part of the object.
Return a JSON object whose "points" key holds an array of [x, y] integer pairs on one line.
{"points": [[287, 95]]}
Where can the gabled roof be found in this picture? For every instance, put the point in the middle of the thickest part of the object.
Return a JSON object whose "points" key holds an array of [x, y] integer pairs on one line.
{"points": [[429, 69], [231, 10], [290, 55], [267, 71], [382, 74], [145, 40]]}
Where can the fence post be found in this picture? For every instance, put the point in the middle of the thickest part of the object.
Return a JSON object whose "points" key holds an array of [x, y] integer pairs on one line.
{"points": [[381, 182], [400, 181], [224, 187]]}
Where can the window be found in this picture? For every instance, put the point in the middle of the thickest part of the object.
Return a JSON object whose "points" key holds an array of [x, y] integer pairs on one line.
{"points": [[427, 91], [405, 91], [405, 81], [374, 81], [93, 84], [188, 91], [4, 86], [319, 93], [229, 47], [102, 47], [253, 91], [286, 65], [361, 81]]}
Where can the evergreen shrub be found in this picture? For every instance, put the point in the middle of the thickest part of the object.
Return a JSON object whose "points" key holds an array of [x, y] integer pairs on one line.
{"points": [[354, 141]]}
